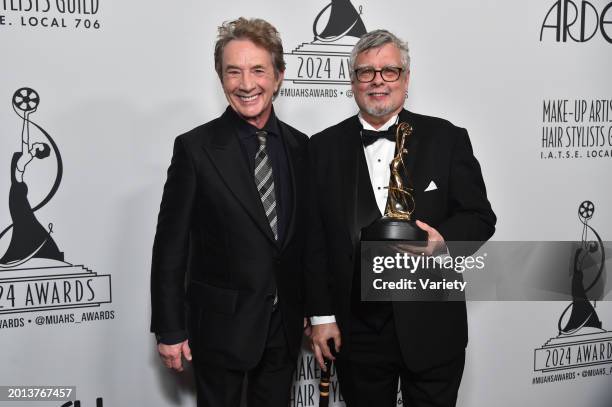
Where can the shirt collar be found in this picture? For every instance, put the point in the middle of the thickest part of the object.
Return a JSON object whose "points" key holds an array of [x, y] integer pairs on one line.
{"points": [[386, 126], [246, 130]]}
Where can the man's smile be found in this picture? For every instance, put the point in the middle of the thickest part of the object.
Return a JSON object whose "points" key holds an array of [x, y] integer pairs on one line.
{"points": [[248, 98]]}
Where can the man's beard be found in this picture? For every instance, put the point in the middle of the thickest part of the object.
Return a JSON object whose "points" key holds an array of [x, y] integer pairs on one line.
{"points": [[380, 111]]}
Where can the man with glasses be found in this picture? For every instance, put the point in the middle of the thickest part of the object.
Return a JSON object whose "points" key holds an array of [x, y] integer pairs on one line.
{"points": [[377, 343]]}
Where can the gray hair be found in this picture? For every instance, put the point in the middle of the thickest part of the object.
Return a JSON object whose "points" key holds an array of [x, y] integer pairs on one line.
{"points": [[376, 39]]}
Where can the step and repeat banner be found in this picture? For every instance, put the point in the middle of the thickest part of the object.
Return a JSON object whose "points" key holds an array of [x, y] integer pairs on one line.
{"points": [[101, 88]]}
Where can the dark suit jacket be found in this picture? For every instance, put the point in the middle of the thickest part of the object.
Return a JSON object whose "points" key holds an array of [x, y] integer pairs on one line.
{"points": [[214, 249], [429, 332]]}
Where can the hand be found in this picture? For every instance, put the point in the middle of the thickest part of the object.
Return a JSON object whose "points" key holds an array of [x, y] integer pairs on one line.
{"points": [[320, 335], [435, 243], [434, 235], [37, 147], [171, 354], [307, 327]]}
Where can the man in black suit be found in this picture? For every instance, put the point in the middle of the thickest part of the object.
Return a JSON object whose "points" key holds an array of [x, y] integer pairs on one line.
{"points": [[229, 239], [423, 343]]}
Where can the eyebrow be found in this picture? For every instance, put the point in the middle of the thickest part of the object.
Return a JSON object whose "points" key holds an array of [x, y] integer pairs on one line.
{"points": [[228, 67], [371, 67]]}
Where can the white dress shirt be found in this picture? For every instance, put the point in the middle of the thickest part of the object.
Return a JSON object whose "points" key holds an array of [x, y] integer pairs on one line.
{"points": [[379, 156]]}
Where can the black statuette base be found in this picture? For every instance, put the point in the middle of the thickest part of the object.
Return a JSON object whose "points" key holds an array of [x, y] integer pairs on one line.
{"points": [[389, 229]]}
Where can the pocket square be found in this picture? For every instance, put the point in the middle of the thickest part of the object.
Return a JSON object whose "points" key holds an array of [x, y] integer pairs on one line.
{"points": [[431, 187]]}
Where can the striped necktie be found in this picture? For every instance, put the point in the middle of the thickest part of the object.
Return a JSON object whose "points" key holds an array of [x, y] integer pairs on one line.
{"points": [[264, 180]]}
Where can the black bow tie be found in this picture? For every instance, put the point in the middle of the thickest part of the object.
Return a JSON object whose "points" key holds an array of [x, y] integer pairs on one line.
{"points": [[370, 136]]}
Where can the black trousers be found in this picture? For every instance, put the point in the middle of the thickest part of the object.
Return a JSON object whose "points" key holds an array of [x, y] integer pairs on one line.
{"points": [[369, 375], [267, 385]]}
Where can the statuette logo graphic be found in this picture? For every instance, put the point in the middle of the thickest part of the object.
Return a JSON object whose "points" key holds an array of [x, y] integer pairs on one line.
{"points": [[589, 262], [343, 20], [29, 239], [581, 340], [325, 60], [34, 275]]}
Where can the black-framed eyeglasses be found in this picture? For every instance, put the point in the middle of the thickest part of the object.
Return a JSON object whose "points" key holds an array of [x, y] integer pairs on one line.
{"points": [[388, 74]]}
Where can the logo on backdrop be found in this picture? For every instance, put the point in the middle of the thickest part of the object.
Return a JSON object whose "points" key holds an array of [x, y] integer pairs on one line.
{"points": [[576, 129], [34, 274], [51, 14], [582, 347], [577, 21], [325, 59]]}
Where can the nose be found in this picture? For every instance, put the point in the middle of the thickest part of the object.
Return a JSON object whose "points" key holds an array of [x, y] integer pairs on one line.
{"points": [[246, 81], [378, 79]]}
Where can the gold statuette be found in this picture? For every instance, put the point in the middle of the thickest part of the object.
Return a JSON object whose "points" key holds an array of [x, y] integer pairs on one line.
{"points": [[397, 224], [400, 203]]}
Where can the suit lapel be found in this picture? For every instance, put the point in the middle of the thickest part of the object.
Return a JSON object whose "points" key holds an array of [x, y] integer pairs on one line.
{"points": [[227, 156], [293, 157], [351, 143]]}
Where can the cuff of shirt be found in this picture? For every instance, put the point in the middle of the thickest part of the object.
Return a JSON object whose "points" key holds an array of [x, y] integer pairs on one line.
{"points": [[442, 257], [322, 319], [171, 338]]}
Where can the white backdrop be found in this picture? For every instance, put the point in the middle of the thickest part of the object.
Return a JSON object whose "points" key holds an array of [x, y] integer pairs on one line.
{"points": [[114, 97]]}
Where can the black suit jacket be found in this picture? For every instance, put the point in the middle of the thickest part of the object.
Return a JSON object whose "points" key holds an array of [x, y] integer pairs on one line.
{"points": [[429, 332], [214, 249]]}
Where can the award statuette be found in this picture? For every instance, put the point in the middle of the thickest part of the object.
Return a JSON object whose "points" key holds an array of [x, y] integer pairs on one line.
{"points": [[397, 224]]}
